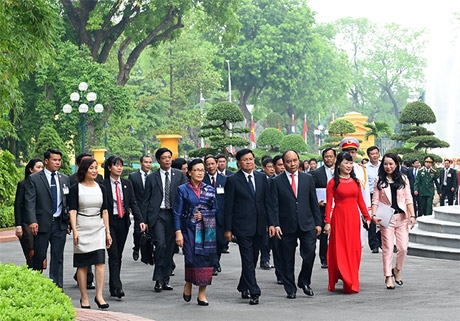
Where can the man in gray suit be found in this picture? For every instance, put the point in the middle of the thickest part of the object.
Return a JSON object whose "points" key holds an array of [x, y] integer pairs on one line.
{"points": [[46, 208], [160, 189]]}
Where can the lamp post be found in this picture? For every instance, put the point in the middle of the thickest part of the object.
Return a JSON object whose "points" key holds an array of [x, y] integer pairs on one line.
{"points": [[229, 99], [320, 133], [82, 107], [106, 126]]}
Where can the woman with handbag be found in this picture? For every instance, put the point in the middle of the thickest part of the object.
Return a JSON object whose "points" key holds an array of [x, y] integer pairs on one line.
{"points": [[195, 220], [343, 225], [90, 227], [392, 188]]}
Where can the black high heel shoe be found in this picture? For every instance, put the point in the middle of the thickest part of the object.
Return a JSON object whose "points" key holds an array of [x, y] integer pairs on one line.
{"points": [[398, 282], [186, 297], [202, 303], [101, 306], [84, 306]]}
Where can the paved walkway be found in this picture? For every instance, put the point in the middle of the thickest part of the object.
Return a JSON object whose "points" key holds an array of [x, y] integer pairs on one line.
{"points": [[430, 292]]}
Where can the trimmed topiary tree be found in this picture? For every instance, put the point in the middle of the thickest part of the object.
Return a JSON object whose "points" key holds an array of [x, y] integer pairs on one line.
{"points": [[270, 138], [28, 295], [274, 120], [217, 130], [293, 141], [49, 138], [337, 131]]}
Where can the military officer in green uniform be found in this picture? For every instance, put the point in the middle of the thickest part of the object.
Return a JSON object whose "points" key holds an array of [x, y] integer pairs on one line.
{"points": [[427, 179]]}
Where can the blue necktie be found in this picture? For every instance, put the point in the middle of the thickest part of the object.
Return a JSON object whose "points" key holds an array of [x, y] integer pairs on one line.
{"points": [[54, 192], [251, 186]]}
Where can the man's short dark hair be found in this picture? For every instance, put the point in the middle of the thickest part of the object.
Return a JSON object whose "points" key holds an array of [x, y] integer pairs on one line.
{"points": [[220, 156], [144, 156], [50, 151], [243, 152], [161, 151], [178, 162], [277, 158], [302, 165], [313, 160], [289, 150], [370, 149], [80, 157], [328, 149], [210, 157], [407, 163], [415, 160], [264, 157], [267, 161]]}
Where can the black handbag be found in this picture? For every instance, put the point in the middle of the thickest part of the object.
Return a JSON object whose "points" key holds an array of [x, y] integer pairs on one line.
{"points": [[147, 249]]}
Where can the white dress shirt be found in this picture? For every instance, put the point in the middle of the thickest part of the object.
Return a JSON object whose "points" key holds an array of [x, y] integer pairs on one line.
{"points": [[372, 173], [59, 199], [296, 180], [163, 179], [252, 178], [114, 194]]}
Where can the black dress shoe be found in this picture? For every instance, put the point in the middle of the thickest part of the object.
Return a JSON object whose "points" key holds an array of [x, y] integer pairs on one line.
{"points": [[167, 287], [121, 293], [101, 306], [390, 287], [264, 265], [398, 282], [135, 255], [202, 303], [215, 273], [245, 294], [84, 306], [279, 281], [324, 265], [90, 286], [219, 269], [291, 296], [158, 287], [254, 299], [375, 250], [307, 290], [186, 297]]}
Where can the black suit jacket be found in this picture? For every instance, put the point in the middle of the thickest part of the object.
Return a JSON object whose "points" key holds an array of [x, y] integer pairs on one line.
{"points": [[228, 172], [73, 179], [19, 204], [154, 193], [244, 214], [139, 191], [129, 201], [39, 202], [452, 180], [221, 180], [320, 178], [411, 177], [290, 212]]}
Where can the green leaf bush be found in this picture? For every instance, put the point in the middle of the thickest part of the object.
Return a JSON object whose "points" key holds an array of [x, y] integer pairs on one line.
{"points": [[28, 295], [293, 141], [6, 216]]}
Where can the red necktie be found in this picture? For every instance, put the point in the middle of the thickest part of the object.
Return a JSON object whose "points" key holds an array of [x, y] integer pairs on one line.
{"points": [[119, 201], [213, 182], [293, 185]]}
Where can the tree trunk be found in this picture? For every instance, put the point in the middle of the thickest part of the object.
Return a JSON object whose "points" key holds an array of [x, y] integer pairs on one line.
{"points": [[244, 96]]}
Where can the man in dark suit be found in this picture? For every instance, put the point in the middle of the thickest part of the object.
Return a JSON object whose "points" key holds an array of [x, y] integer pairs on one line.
{"points": [[246, 208], [119, 220], [73, 181], [160, 190], [279, 165], [138, 180], [296, 215], [412, 175], [322, 176], [46, 208], [222, 166], [218, 181], [448, 179]]}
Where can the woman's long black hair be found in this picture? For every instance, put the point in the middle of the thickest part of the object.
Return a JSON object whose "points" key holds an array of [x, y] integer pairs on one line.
{"points": [[30, 165], [397, 176], [340, 157], [112, 160]]}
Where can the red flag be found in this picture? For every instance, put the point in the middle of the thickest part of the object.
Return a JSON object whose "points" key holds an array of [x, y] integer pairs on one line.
{"points": [[265, 122], [206, 145], [305, 128], [234, 150], [279, 127], [253, 134]]}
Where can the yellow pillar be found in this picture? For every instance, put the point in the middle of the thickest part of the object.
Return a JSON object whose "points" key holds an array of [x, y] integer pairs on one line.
{"points": [[359, 120], [99, 157], [171, 142]]}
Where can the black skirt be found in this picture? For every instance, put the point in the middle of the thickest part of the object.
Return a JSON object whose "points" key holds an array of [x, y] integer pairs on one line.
{"points": [[91, 258]]}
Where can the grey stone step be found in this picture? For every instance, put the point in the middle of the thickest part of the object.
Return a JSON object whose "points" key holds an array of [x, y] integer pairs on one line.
{"points": [[432, 224], [447, 213], [434, 252], [432, 238]]}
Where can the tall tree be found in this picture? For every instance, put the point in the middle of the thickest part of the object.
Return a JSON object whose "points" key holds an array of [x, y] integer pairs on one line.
{"points": [[129, 27]]}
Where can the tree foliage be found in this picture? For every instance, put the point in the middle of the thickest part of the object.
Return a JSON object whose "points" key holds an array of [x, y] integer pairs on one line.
{"points": [[9, 177], [49, 138], [271, 138], [417, 113], [341, 127], [293, 141]]}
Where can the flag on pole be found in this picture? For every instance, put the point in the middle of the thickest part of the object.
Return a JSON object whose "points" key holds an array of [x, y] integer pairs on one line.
{"points": [[253, 134], [233, 150], [305, 128], [206, 145], [292, 125], [265, 123], [279, 127], [319, 120], [332, 119]]}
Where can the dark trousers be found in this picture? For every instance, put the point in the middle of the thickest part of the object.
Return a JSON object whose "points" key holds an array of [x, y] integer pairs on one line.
{"points": [[249, 252], [415, 199], [322, 241], [119, 233], [265, 249], [220, 245], [373, 238], [447, 193], [277, 259], [56, 237], [27, 244], [136, 235], [164, 238], [307, 253], [425, 205]]}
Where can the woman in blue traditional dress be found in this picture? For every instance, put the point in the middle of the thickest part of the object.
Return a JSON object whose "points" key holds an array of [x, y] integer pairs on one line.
{"points": [[195, 220]]}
